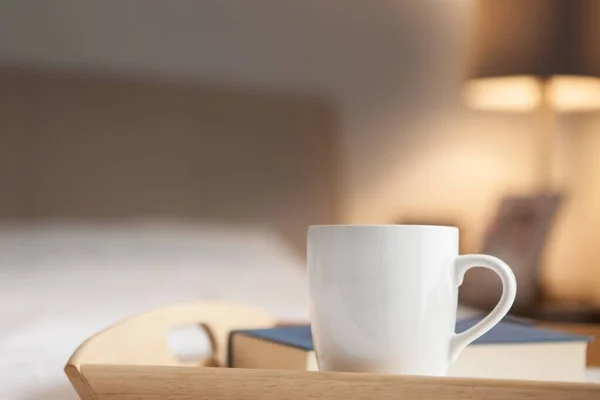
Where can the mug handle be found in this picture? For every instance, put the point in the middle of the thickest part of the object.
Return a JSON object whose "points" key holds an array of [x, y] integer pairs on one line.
{"points": [[509, 291]]}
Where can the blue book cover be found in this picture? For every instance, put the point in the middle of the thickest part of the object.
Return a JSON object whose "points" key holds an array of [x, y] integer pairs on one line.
{"points": [[506, 331]]}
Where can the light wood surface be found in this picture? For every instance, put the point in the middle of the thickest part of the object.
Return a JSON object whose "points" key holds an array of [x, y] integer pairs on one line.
{"points": [[143, 339], [132, 361], [112, 382]]}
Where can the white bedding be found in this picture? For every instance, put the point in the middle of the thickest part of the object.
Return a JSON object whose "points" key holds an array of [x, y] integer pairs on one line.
{"points": [[59, 284]]}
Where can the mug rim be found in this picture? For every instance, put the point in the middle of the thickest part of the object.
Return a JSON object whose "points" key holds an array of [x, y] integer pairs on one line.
{"points": [[420, 226]]}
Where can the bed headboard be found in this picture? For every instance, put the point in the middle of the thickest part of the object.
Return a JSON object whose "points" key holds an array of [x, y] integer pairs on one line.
{"points": [[100, 148]]}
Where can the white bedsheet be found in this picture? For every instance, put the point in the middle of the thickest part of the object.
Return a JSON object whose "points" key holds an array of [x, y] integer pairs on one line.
{"points": [[59, 284]]}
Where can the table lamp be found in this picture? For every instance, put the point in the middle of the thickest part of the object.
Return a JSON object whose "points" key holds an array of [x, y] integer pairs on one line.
{"points": [[538, 56]]}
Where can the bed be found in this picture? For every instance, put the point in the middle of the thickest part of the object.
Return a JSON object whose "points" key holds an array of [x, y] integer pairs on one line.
{"points": [[123, 195], [60, 284], [119, 196]]}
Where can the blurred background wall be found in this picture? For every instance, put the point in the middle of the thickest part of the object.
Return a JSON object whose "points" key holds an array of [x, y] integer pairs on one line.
{"points": [[406, 147]]}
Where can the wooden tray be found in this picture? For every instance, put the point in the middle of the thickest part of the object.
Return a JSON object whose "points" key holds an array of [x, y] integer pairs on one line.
{"points": [[131, 361]]}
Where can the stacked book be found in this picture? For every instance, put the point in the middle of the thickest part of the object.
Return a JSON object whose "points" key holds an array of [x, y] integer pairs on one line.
{"points": [[510, 350]]}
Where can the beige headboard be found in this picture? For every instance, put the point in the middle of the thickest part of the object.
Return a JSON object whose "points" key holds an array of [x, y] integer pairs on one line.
{"points": [[91, 147]]}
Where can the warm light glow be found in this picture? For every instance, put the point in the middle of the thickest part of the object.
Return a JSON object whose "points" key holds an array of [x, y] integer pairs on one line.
{"points": [[526, 93], [574, 93], [515, 93]]}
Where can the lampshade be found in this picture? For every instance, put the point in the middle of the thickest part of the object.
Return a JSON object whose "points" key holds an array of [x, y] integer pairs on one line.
{"points": [[526, 53]]}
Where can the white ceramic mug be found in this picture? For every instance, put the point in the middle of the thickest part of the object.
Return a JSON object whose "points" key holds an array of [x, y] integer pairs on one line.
{"points": [[384, 297]]}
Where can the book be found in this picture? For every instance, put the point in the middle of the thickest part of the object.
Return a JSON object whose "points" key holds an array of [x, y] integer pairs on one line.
{"points": [[510, 350]]}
